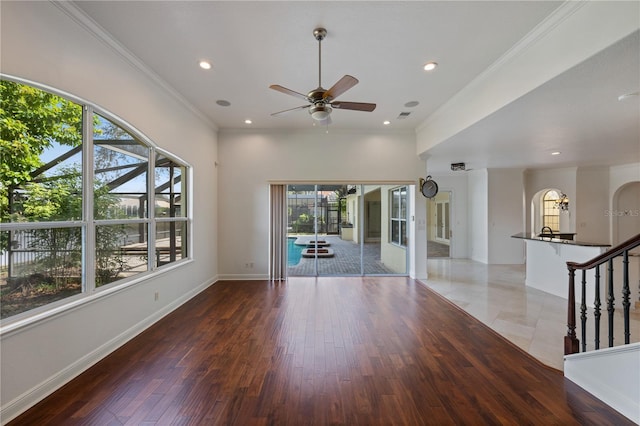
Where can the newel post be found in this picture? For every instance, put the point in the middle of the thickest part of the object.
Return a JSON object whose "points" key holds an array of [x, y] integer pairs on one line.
{"points": [[571, 342]]}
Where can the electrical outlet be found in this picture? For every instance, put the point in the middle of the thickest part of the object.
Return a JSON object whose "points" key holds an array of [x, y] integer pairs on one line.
{"points": [[156, 296]]}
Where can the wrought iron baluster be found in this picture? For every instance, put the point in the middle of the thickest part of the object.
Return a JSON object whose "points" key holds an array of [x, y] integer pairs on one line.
{"points": [[583, 311], [571, 344], [596, 309], [604, 291], [625, 295], [610, 302]]}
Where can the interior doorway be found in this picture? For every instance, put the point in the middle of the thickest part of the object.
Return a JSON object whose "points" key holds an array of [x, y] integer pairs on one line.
{"points": [[439, 231]]}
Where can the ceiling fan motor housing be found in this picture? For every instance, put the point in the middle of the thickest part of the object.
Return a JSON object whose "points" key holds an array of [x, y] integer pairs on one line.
{"points": [[317, 95]]}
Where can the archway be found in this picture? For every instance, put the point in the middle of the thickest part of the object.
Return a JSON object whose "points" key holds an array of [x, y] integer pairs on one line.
{"points": [[625, 212]]}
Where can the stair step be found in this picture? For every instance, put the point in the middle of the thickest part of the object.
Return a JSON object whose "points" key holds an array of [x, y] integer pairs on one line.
{"points": [[611, 374]]}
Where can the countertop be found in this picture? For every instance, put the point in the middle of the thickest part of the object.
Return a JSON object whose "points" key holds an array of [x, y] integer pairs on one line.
{"points": [[535, 237]]}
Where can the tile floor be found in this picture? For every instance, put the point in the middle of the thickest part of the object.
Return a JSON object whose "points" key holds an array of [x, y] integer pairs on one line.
{"points": [[496, 295], [436, 249]]}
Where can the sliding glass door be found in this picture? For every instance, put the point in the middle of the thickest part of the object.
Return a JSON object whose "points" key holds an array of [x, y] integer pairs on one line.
{"points": [[346, 229]]}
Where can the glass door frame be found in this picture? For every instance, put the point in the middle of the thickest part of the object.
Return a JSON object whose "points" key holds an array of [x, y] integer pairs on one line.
{"points": [[359, 221]]}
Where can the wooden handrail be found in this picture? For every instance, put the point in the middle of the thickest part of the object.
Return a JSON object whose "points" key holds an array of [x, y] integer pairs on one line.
{"points": [[610, 254], [571, 342]]}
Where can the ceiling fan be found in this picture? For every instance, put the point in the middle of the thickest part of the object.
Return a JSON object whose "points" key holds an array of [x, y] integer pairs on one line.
{"points": [[322, 101]]}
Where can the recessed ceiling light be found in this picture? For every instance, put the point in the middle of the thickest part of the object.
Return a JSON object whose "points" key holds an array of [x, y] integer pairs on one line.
{"points": [[386, 122], [412, 104], [556, 153], [205, 65], [247, 121], [429, 66], [223, 103]]}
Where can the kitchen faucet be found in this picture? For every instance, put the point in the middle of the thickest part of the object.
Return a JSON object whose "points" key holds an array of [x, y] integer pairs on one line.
{"points": [[546, 228]]}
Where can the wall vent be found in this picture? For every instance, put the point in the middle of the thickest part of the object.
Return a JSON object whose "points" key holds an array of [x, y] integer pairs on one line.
{"points": [[403, 115]]}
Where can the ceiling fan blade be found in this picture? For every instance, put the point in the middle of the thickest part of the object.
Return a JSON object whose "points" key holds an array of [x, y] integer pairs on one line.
{"points": [[356, 106], [344, 84], [288, 91], [291, 109]]}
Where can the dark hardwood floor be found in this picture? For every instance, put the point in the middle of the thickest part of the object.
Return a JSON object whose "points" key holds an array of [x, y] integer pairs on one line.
{"points": [[352, 351]]}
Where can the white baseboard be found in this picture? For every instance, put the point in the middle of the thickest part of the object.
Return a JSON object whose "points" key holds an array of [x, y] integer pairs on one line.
{"points": [[243, 277], [28, 399]]}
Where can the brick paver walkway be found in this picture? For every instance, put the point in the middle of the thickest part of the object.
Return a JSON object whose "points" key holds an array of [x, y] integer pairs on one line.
{"points": [[346, 259]]}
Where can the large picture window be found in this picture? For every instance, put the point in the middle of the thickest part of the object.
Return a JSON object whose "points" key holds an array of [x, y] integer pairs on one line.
{"points": [[398, 216], [76, 198]]}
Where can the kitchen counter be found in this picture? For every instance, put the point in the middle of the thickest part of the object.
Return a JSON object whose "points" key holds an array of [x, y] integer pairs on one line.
{"points": [[536, 237], [546, 262]]}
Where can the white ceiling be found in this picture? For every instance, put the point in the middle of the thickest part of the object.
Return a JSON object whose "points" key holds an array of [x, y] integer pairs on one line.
{"points": [[576, 113], [252, 45]]}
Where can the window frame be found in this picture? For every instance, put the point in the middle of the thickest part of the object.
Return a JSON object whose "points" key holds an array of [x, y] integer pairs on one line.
{"points": [[88, 224], [397, 217], [550, 205]]}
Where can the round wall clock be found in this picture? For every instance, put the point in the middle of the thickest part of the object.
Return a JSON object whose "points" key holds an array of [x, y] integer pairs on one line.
{"points": [[428, 187]]}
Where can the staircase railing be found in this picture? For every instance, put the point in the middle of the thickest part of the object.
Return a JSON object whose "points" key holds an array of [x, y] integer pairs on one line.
{"points": [[571, 342]]}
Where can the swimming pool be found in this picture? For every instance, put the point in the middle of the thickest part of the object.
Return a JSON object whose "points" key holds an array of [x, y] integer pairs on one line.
{"points": [[294, 252]]}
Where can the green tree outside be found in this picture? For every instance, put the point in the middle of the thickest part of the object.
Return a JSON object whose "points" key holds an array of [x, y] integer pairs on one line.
{"points": [[32, 121]]}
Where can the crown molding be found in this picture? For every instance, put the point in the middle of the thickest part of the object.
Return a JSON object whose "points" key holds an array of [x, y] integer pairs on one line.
{"points": [[546, 26]]}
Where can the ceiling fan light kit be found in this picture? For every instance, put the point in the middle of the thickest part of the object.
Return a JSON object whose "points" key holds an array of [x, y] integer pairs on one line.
{"points": [[320, 112], [322, 102]]}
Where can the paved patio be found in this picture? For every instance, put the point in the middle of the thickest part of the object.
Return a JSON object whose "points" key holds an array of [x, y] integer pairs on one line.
{"points": [[346, 259]]}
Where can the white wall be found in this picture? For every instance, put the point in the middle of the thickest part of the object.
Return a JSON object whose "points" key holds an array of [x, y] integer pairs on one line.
{"points": [[251, 160], [492, 211], [506, 216], [592, 192], [591, 204], [478, 196], [620, 175], [563, 179], [621, 180], [43, 44], [626, 212]]}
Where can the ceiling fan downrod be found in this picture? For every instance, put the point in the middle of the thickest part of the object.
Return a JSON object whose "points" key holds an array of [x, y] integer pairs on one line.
{"points": [[319, 34]]}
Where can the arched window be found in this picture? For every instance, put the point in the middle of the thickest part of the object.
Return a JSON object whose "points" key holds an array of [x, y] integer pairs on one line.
{"points": [[550, 211], [85, 201]]}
